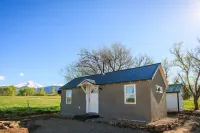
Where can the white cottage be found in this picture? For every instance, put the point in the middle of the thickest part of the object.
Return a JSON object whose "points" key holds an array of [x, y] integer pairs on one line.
{"points": [[174, 98]]}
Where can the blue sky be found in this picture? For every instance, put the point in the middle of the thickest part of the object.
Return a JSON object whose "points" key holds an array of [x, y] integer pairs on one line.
{"points": [[39, 37]]}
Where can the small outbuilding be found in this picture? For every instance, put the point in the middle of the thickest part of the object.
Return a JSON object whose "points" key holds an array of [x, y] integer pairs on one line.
{"points": [[174, 96]]}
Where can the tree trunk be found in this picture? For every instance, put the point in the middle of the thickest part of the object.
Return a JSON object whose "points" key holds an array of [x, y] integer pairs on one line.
{"points": [[196, 105]]}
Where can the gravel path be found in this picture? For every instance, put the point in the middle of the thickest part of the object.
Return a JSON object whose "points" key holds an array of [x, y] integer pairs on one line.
{"points": [[57, 125]]}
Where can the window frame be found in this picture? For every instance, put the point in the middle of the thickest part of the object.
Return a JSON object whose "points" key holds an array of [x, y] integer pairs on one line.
{"points": [[125, 95], [67, 96], [161, 89]]}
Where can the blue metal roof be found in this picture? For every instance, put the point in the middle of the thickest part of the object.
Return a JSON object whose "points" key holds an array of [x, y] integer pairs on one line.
{"points": [[126, 75], [174, 88]]}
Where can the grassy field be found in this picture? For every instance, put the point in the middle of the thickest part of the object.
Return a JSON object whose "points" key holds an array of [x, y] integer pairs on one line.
{"points": [[18, 105], [38, 104], [188, 104]]}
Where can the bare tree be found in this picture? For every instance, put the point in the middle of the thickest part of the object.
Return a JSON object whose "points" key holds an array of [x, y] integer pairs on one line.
{"points": [[116, 58], [189, 64], [176, 80], [166, 64], [106, 59], [142, 60], [71, 71], [90, 62]]}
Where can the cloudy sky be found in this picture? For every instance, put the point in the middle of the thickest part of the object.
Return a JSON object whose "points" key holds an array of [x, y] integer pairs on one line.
{"points": [[40, 37]]}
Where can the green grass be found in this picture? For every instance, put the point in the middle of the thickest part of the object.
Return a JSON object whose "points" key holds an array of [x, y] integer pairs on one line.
{"points": [[18, 105], [189, 104], [38, 104]]}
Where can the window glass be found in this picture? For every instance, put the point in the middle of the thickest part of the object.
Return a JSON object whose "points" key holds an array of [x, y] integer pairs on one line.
{"points": [[130, 94], [68, 96], [159, 89], [129, 89], [69, 93], [130, 99]]}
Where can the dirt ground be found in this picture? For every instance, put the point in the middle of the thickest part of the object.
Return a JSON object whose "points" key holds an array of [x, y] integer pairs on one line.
{"points": [[58, 125], [190, 126], [15, 130], [61, 125]]}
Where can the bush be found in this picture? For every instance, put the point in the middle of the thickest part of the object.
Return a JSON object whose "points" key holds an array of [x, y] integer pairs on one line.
{"points": [[53, 94], [24, 111], [186, 94], [27, 92], [39, 94]]}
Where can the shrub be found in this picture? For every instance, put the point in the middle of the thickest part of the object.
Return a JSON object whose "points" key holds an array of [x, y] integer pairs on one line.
{"points": [[27, 92]]}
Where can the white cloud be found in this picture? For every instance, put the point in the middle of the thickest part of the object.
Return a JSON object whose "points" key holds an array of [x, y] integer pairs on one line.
{"points": [[21, 74], [2, 78]]}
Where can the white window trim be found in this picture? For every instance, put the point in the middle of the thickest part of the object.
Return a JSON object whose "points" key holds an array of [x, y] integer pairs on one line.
{"points": [[126, 94], [66, 97]]}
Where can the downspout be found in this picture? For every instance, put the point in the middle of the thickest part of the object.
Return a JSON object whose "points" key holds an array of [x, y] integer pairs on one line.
{"points": [[103, 67], [178, 101]]}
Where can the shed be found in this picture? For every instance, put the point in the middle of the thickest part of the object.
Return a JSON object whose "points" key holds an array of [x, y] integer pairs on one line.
{"points": [[174, 98]]}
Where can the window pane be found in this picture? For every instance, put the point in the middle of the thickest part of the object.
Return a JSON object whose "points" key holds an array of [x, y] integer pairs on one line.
{"points": [[130, 89], [68, 93], [130, 98], [68, 100]]}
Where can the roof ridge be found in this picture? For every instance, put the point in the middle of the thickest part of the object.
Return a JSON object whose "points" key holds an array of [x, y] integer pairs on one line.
{"points": [[135, 67], [119, 70]]}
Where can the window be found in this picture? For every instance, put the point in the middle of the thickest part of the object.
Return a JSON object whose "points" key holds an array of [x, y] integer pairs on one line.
{"points": [[130, 94], [159, 89], [68, 96]]}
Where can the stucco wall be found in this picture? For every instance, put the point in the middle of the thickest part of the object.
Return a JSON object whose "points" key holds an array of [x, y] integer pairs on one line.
{"points": [[78, 104], [149, 106], [158, 100], [111, 102]]}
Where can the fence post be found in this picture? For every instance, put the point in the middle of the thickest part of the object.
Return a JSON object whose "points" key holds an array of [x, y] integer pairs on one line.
{"points": [[28, 106]]}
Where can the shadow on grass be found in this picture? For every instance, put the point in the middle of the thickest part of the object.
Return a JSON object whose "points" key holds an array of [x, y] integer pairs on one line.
{"points": [[24, 111]]}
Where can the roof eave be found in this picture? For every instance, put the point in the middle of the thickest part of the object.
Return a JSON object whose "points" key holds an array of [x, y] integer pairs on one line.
{"points": [[65, 88], [173, 92], [159, 68]]}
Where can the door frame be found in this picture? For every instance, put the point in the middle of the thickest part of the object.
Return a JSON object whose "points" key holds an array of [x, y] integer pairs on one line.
{"points": [[87, 95]]}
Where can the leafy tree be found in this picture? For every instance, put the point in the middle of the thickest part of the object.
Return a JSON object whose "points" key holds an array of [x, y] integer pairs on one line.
{"points": [[22, 92], [3, 91], [12, 90], [8, 91], [27, 92], [189, 64], [42, 92], [53, 90], [31, 91]]}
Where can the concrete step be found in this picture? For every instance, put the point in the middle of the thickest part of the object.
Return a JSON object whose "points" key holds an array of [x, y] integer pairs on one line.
{"points": [[86, 116]]}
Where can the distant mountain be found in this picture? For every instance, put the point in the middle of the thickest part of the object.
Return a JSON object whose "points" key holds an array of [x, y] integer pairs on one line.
{"points": [[28, 84], [4, 85], [31, 84], [48, 89]]}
